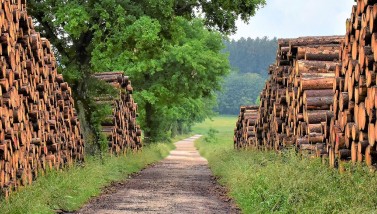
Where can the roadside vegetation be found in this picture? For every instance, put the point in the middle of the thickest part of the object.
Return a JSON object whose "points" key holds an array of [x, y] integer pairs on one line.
{"points": [[72, 188], [264, 182]]}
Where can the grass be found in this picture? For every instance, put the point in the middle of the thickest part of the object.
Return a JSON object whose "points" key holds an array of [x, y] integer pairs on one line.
{"points": [[71, 189], [264, 182]]}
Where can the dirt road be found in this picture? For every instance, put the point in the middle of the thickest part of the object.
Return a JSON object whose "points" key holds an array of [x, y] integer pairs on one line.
{"points": [[181, 183]]}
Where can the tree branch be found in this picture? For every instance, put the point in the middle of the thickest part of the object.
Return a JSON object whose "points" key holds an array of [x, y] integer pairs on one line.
{"points": [[50, 34]]}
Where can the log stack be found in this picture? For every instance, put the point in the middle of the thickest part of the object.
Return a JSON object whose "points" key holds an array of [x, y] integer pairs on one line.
{"points": [[353, 129], [296, 101], [271, 128], [314, 61], [295, 108], [245, 131], [329, 108], [120, 128], [39, 127]]}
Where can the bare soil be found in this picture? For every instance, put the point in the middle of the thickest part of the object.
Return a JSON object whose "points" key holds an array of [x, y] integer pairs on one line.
{"points": [[181, 183]]}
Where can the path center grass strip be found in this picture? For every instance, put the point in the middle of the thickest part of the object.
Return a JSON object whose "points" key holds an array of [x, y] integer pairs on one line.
{"points": [[71, 189], [264, 182]]}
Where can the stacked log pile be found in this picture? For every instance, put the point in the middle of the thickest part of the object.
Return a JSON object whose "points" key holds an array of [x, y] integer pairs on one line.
{"points": [[314, 61], [330, 100], [245, 133], [353, 130], [296, 101], [270, 126], [120, 128], [39, 128]]}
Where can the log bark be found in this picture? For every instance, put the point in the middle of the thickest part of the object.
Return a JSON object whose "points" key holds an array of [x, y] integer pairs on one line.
{"points": [[318, 103], [310, 81], [309, 66]]}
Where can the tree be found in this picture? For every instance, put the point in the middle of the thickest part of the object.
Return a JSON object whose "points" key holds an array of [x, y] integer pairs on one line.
{"points": [[239, 89], [147, 40], [172, 77], [252, 55], [219, 14]]}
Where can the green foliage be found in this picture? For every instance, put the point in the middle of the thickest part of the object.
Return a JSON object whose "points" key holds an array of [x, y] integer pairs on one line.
{"points": [[264, 182], [72, 188], [100, 108], [252, 55], [100, 114], [174, 78], [239, 89], [211, 136], [74, 18], [219, 14], [172, 58], [257, 100]]}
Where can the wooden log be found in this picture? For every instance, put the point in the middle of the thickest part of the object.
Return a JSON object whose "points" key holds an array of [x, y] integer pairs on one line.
{"points": [[362, 117], [315, 40], [371, 134], [318, 116], [315, 128], [308, 66], [370, 155], [310, 81], [318, 103], [362, 145], [317, 93], [302, 51], [354, 152]]}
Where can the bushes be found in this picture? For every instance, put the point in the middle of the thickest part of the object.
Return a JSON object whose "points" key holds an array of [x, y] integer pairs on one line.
{"points": [[211, 137]]}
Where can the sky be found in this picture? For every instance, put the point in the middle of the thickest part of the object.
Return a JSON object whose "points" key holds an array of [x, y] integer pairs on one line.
{"points": [[295, 18]]}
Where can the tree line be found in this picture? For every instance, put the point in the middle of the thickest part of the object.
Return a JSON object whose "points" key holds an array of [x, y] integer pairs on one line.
{"points": [[171, 49], [251, 55], [249, 60], [239, 89]]}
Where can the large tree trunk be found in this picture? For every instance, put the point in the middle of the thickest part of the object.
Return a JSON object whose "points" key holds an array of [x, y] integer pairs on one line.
{"points": [[80, 91]]}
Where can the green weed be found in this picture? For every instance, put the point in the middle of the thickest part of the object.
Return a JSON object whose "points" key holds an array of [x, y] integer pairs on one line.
{"points": [[264, 182], [211, 137]]}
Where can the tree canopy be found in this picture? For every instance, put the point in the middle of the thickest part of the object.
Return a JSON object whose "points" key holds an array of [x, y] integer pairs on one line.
{"points": [[173, 58], [172, 76], [219, 14]]}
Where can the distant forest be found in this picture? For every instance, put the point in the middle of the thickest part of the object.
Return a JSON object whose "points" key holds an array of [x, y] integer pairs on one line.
{"points": [[251, 55], [249, 59]]}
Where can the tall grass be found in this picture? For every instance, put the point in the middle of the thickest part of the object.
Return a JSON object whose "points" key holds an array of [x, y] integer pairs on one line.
{"points": [[264, 182], [71, 189]]}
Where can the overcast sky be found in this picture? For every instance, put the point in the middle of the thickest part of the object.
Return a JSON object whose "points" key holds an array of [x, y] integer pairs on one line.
{"points": [[294, 18]]}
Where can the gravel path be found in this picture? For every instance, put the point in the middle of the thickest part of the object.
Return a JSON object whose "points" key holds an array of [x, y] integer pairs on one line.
{"points": [[181, 183]]}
